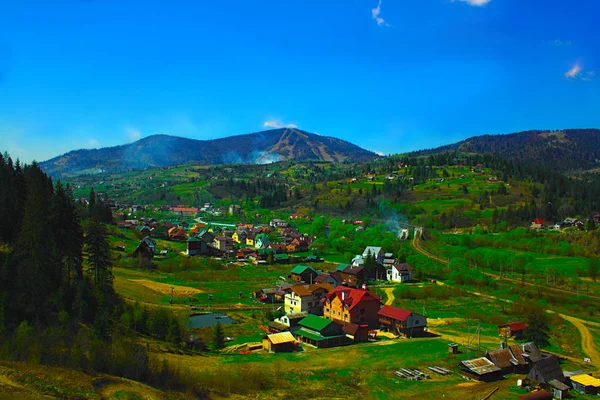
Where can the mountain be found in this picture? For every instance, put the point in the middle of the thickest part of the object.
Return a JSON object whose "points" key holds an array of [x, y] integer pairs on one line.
{"points": [[562, 150], [163, 150]]}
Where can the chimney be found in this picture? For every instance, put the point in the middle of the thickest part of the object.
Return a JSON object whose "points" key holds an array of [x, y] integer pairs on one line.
{"points": [[343, 295]]}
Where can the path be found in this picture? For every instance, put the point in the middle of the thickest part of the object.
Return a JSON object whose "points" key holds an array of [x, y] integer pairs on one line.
{"points": [[587, 339], [390, 296], [417, 246]]}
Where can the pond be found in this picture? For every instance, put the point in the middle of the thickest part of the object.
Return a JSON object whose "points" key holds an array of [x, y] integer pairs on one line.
{"points": [[206, 320]]}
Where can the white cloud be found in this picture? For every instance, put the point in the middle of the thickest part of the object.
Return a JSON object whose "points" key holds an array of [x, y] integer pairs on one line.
{"points": [[589, 75], [379, 153], [574, 71], [133, 134], [475, 3], [376, 15], [93, 143], [278, 124], [559, 43]]}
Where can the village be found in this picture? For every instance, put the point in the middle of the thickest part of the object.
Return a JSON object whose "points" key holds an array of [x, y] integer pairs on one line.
{"points": [[337, 307]]}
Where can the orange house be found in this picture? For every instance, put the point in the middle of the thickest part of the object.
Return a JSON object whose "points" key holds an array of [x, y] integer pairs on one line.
{"points": [[357, 306]]}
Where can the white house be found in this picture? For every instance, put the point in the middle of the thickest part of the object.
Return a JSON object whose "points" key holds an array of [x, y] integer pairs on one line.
{"points": [[400, 273], [306, 298], [377, 252]]}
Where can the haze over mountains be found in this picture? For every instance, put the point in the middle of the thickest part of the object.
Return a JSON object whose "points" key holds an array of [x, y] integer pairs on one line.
{"points": [[564, 150], [255, 148]]}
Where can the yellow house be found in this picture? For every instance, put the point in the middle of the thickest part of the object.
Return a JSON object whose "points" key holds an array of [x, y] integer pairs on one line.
{"points": [[239, 237], [250, 239]]}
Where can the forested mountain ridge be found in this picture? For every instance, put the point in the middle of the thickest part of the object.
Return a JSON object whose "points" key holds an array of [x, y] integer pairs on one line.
{"points": [[164, 150], [561, 150]]}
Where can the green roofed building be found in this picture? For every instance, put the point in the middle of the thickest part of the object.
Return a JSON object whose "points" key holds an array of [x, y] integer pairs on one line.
{"points": [[303, 273], [342, 267], [321, 332]]}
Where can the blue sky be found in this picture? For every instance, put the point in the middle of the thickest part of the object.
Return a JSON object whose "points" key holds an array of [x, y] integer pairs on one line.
{"points": [[391, 76]]}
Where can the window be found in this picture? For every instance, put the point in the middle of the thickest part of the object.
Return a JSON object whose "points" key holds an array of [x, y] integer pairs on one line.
{"points": [[345, 315], [416, 321]]}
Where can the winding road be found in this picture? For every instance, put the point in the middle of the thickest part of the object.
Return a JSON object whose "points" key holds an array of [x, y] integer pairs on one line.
{"points": [[587, 339]]}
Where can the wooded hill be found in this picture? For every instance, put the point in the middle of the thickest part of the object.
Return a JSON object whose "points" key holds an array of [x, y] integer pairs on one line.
{"points": [[163, 150], [562, 150]]}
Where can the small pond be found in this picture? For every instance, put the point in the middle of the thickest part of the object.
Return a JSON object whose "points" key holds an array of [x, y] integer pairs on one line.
{"points": [[206, 320]]}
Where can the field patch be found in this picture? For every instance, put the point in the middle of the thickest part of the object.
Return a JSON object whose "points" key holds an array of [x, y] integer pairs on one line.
{"points": [[165, 288]]}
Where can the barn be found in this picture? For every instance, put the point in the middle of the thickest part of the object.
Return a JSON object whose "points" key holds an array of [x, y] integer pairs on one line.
{"points": [[279, 342]]}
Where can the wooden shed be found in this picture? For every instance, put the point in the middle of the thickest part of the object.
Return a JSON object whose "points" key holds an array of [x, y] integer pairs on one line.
{"points": [[279, 342]]}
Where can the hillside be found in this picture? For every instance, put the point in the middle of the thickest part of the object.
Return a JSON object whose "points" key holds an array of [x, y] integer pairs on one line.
{"points": [[564, 150], [163, 150]]}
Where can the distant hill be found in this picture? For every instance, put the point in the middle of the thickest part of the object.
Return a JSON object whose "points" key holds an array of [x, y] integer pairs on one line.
{"points": [[564, 150], [163, 150]]}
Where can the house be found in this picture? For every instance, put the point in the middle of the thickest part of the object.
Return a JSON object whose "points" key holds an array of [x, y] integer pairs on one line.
{"points": [[321, 332], [261, 241], [505, 360], [546, 369], [250, 236], [223, 243], [194, 246], [239, 236], [479, 369], [585, 384], [525, 353], [327, 278], [400, 273], [178, 234], [185, 211], [288, 322], [358, 306], [278, 247], [353, 276], [388, 260], [234, 209], [144, 229], [511, 329], [282, 258], [303, 273], [145, 250], [279, 342], [278, 223], [559, 389], [358, 333], [402, 321], [376, 252], [205, 235], [306, 298]]}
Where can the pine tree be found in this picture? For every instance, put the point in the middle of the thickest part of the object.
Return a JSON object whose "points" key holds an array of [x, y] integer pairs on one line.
{"points": [[219, 337], [98, 253], [537, 330]]}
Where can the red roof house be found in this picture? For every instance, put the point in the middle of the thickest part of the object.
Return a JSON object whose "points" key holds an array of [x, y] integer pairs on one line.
{"points": [[402, 321], [358, 306]]}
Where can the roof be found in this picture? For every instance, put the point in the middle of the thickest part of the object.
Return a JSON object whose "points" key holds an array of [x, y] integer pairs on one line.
{"points": [[350, 329], [352, 270], [480, 366], [193, 239], [549, 368], [298, 315], [299, 269], [278, 325], [282, 257], [529, 349], [558, 385], [399, 314], [315, 323], [301, 290], [503, 358], [315, 335], [515, 326], [282, 337], [586, 380], [403, 267], [371, 249], [342, 267], [326, 286], [321, 278], [352, 297]]}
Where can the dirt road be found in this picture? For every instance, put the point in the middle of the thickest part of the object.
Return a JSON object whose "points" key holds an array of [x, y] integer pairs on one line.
{"points": [[587, 340], [390, 296]]}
